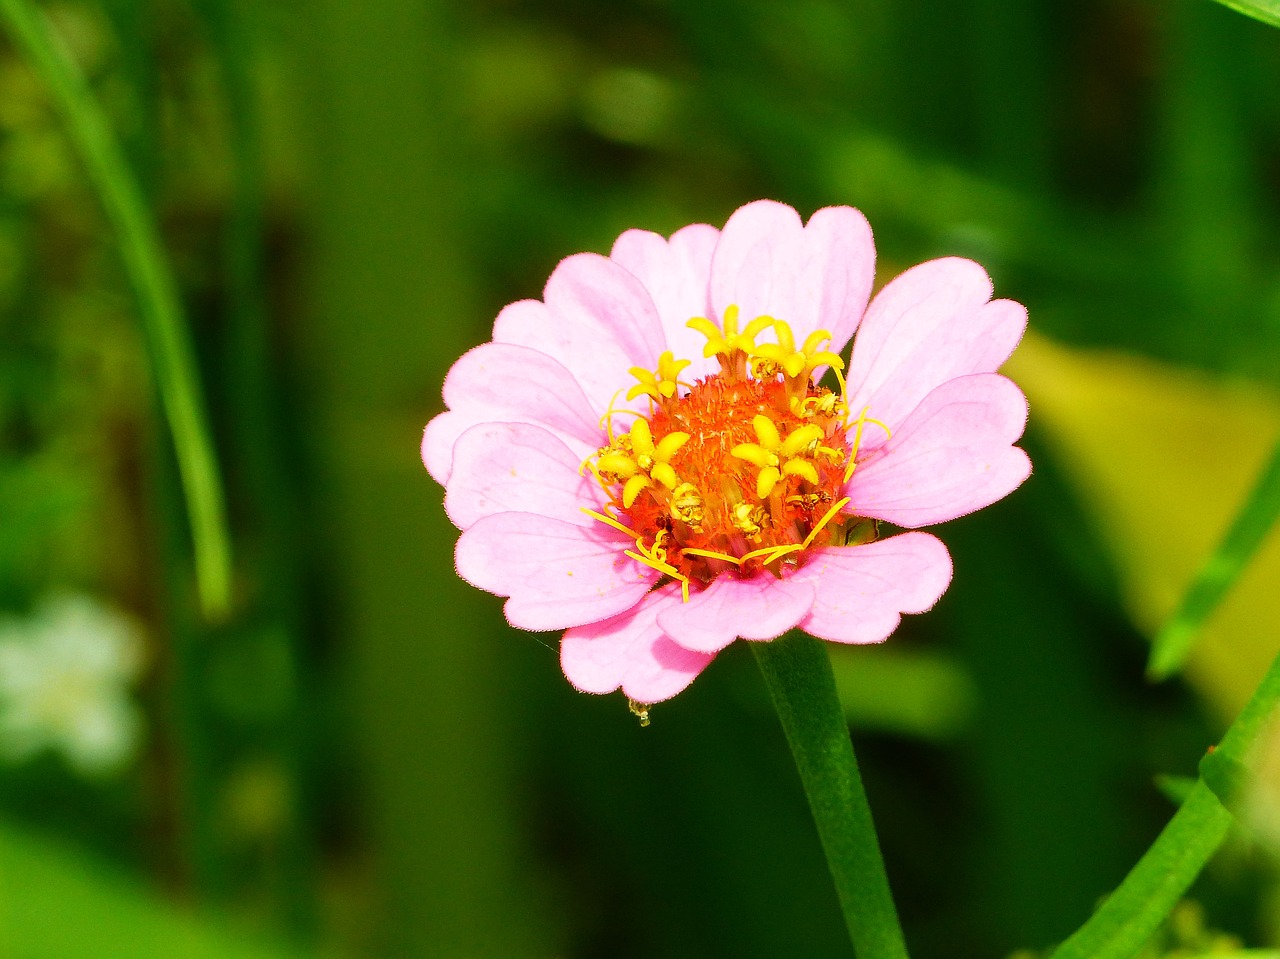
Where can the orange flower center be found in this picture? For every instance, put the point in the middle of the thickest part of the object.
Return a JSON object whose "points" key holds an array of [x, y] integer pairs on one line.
{"points": [[742, 470]]}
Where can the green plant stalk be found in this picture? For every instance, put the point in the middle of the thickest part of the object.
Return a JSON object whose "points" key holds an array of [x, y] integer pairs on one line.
{"points": [[1266, 11], [156, 291], [1130, 915], [801, 682], [1219, 573]]}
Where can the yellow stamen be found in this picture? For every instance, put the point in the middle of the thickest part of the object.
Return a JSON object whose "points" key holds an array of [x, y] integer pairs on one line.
{"points": [[770, 359], [802, 468], [766, 431], [804, 439], [844, 398], [618, 465], [609, 521], [655, 557], [727, 340], [777, 457], [687, 505], [755, 455], [766, 481], [862, 420], [830, 515], [634, 485], [606, 421], [658, 384], [669, 446], [777, 552], [747, 518]]}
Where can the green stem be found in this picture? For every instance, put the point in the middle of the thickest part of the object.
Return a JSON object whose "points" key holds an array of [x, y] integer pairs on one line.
{"points": [[800, 680], [1130, 915], [1267, 11], [156, 291]]}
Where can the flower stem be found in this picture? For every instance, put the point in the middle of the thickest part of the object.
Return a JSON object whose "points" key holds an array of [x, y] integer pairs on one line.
{"points": [[800, 680], [1130, 915]]}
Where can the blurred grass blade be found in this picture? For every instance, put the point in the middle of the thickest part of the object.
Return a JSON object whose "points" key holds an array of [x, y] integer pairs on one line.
{"points": [[158, 303], [1129, 916], [1268, 11], [1224, 567]]}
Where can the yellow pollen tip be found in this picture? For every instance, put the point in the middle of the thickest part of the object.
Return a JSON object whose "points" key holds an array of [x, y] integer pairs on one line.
{"points": [[801, 439], [632, 489], [754, 454], [617, 464], [766, 481], [802, 468], [814, 340], [766, 432]]}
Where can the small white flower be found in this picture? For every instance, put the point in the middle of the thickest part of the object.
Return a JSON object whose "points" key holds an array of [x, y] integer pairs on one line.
{"points": [[65, 677]]}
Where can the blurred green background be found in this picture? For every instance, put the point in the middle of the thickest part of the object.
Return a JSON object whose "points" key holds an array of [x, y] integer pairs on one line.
{"points": [[361, 759]]}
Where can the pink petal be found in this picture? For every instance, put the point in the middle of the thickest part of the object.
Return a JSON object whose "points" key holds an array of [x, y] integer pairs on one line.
{"points": [[595, 318], [815, 277], [677, 274], [499, 383], [931, 324], [861, 591], [953, 455], [762, 607], [630, 651], [516, 468], [557, 574]]}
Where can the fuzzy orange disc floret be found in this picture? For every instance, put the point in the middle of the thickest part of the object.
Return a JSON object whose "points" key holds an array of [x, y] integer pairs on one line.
{"points": [[737, 428]]}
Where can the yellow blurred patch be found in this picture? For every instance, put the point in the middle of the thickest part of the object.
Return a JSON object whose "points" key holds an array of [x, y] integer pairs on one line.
{"points": [[1163, 457]]}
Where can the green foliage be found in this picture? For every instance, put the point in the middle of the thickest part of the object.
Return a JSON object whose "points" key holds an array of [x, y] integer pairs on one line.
{"points": [[158, 298], [60, 903], [325, 205]]}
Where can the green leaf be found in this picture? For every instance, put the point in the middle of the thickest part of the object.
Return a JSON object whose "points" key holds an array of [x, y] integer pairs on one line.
{"points": [[156, 291], [1176, 789], [1267, 11]]}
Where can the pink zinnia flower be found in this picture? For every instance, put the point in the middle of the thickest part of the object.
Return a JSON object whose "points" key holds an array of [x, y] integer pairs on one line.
{"points": [[645, 457]]}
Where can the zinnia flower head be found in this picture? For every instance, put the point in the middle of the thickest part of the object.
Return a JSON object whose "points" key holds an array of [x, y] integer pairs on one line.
{"points": [[651, 458]]}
